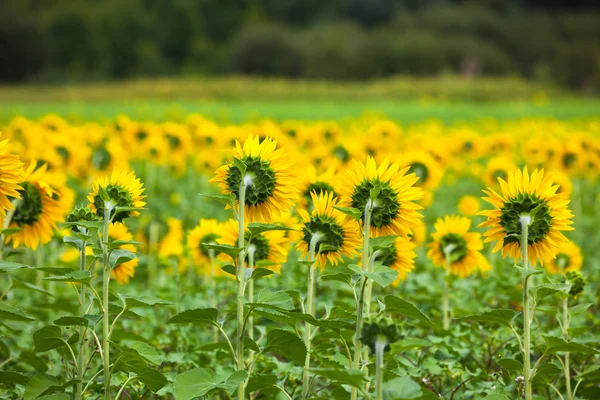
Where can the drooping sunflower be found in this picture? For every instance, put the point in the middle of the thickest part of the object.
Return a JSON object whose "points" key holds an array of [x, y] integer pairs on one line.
{"points": [[452, 235], [123, 272], [37, 211], [206, 232], [336, 230], [11, 174], [267, 246], [533, 196], [568, 258], [394, 209], [270, 183], [123, 190]]}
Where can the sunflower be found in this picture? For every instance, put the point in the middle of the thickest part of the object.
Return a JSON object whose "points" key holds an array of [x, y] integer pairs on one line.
{"points": [[394, 210], [560, 178], [533, 196], [468, 205], [314, 182], [11, 174], [207, 231], [123, 190], [270, 185], [497, 167], [568, 258], [172, 244], [425, 167], [399, 257], [125, 271], [336, 230], [268, 246], [452, 235]]}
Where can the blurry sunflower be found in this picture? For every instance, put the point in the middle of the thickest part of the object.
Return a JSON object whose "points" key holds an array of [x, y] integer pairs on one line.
{"points": [[497, 167], [206, 232], [270, 184], [399, 257], [568, 258], [452, 236], [313, 182], [527, 196], [123, 190], [172, 244], [37, 211], [11, 174], [560, 178], [394, 210], [425, 167], [468, 205], [267, 246], [419, 234], [122, 273], [334, 228]]}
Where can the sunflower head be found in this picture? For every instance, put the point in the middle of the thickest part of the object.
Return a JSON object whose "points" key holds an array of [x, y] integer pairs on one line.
{"points": [[468, 205], [452, 241], [568, 258], [266, 175], [81, 214], [577, 282], [400, 256], [387, 191], [329, 230], [123, 272], [11, 174], [118, 194], [532, 200]]}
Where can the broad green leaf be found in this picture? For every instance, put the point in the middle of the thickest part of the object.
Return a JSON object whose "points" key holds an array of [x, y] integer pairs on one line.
{"points": [[153, 379], [83, 277], [579, 308], [546, 372], [26, 285], [382, 275], [227, 199], [408, 344], [511, 365], [354, 213], [498, 316], [38, 385], [401, 388], [75, 242], [223, 248], [549, 289], [116, 244], [555, 345], [343, 277], [200, 381], [58, 388], [250, 344], [120, 256], [71, 321], [13, 378], [33, 360], [527, 272], [382, 242], [261, 272], [7, 266], [256, 228], [197, 316], [9, 231], [230, 269], [278, 299], [351, 377], [48, 338], [146, 351], [93, 225], [261, 382], [8, 313], [496, 396], [396, 305], [142, 301], [286, 344]]}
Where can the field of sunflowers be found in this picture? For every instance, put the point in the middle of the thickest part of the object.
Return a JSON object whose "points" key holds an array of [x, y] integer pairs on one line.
{"points": [[357, 259]]}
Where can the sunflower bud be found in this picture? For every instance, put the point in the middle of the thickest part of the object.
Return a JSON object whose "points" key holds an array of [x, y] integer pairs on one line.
{"points": [[81, 214], [577, 282], [381, 330]]}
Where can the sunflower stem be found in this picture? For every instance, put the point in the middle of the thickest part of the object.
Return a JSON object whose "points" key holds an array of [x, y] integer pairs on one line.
{"points": [[310, 310], [565, 327], [525, 220], [6, 225], [445, 298], [105, 305], [251, 251], [361, 299], [213, 287], [241, 285], [380, 345], [81, 356]]}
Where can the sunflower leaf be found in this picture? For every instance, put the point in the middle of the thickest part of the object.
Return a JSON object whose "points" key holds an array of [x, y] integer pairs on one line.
{"points": [[382, 275], [196, 316], [120, 256], [260, 273], [549, 289], [230, 269], [287, 344], [7, 266], [83, 277], [396, 305], [527, 272], [256, 228], [142, 301], [223, 248], [8, 313], [199, 382], [382, 242], [115, 244], [354, 213], [93, 225], [240, 165], [227, 199], [555, 345], [499, 316]]}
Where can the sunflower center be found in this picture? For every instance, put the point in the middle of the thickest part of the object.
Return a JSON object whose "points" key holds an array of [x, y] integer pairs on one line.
{"points": [[456, 244], [499, 173], [319, 188], [30, 207], [341, 153], [174, 141], [208, 238], [569, 159], [331, 233], [101, 158], [421, 171], [563, 261], [120, 197], [387, 205], [387, 256], [63, 152], [260, 244], [524, 204], [263, 180]]}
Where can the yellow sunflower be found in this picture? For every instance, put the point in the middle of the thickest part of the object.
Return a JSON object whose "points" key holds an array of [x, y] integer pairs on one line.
{"points": [[468, 205], [314, 182], [207, 231], [267, 246], [172, 244], [270, 184], [122, 273], [560, 178], [123, 190], [11, 174], [425, 167], [393, 210], [400, 257], [37, 212], [568, 258], [527, 196], [336, 230], [452, 236], [497, 167]]}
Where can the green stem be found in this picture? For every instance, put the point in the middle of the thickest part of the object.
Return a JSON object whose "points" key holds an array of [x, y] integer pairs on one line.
{"points": [[213, 287], [445, 299], [105, 305], [310, 310], [380, 344], [7, 221], [361, 299], [241, 284], [124, 385], [82, 330], [525, 220], [567, 368]]}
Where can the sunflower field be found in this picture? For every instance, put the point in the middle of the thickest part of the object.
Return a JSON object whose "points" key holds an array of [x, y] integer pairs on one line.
{"points": [[282, 259]]}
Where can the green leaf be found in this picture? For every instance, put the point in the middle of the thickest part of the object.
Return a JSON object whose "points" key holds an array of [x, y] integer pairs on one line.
{"points": [[286, 344], [549, 289], [528, 272], [83, 277], [116, 244], [343, 277], [145, 351], [579, 308], [496, 396], [250, 344], [277, 299], [555, 345], [9, 231], [26, 285], [240, 165], [13, 378], [401, 388], [396, 305], [260, 272], [120, 256], [256, 228], [38, 385], [545, 373], [382, 242], [196, 316], [351, 377], [93, 225], [7, 266], [498, 316], [382, 275], [48, 338], [261, 382], [354, 213], [73, 321], [142, 301], [230, 269], [8, 313], [200, 381], [153, 379], [227, 199], [409, 344], [58, 388], [511, 365], [33, 360], [223, 248]]}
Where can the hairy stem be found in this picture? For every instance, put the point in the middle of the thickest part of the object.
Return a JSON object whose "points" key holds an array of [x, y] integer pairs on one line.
{"points": [[310, 310], [525, 220], [81, 356], [240, 283], [105, 305], [380, 344]]}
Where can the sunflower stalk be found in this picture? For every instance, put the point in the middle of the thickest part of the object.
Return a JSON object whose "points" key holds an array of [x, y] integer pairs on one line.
{"points": [[565, 328], [108, 207], [445, 300], [314, 240], [7, 220], [361, 298], [81, 355], [380, 345], [525, 220], [251, 251], [241, 284]]}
